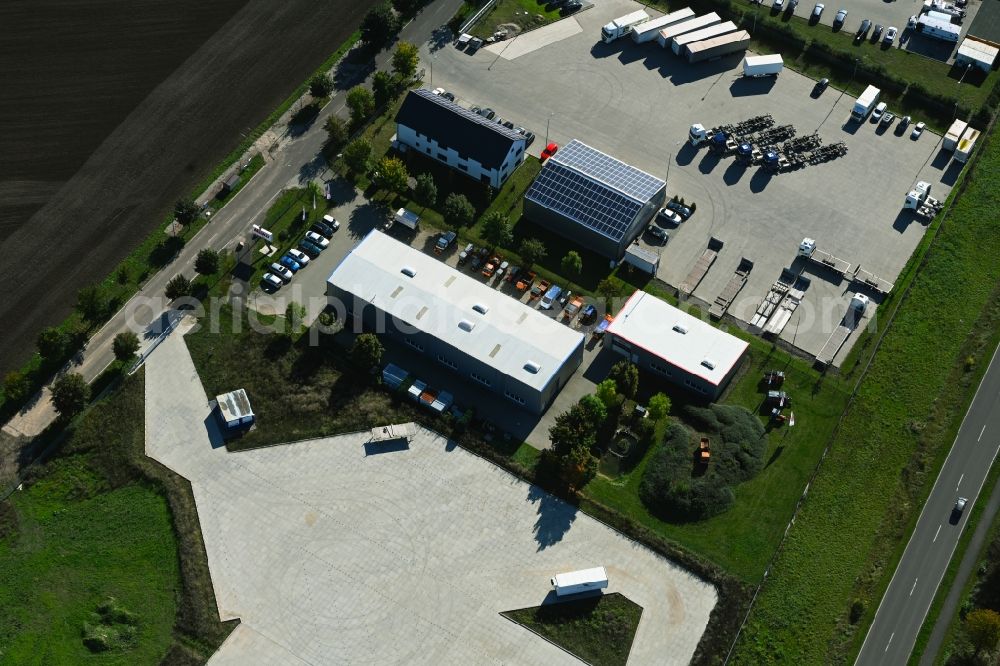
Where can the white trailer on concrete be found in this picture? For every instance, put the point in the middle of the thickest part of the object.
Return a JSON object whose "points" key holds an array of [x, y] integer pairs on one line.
{"points": [[859, 302], [783, 314], [763, 65], [966, 144], [648, 31], [938, 28], [954, 134], [584, 580], [717, 47], [688, 25], [681, 41], [622, 26]]}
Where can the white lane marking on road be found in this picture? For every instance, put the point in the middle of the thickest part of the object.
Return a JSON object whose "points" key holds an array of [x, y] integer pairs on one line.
{"points": [[889, 643], [914, 586], [959, 481], [936, 533], [981, 434]]}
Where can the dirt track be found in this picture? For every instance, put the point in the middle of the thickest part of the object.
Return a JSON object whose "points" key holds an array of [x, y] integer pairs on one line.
{"points": [[159, 151]]}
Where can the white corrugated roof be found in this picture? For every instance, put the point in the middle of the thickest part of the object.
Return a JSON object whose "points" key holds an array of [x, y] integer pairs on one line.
{"points": [[678, 338], [483, 322], [234, 405], [975, 50]]}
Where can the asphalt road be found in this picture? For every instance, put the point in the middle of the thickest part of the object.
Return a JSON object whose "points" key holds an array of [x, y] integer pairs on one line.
{"points": [[296, 162], [911, 591]]}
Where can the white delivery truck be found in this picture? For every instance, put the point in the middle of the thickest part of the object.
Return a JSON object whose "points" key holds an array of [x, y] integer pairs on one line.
{"points": [[407, 218], [647, 32], [763, 65], [584, 580], [865, 103], [681, 41], [954, 133], [622, 26]]}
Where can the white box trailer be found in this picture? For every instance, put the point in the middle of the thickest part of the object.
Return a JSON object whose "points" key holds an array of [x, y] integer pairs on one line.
{"points": [[763, 65], [954, 133], [681, 41], [584, 580], [648, 31], [690, 25], [723, 45], [966, 145]]}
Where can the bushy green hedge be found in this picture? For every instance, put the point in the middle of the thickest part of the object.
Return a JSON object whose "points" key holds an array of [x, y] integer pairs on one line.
{"points": [[670, 487]]}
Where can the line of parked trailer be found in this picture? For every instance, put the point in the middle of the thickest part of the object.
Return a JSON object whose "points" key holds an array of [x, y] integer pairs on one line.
{"points": [[699, 38]]}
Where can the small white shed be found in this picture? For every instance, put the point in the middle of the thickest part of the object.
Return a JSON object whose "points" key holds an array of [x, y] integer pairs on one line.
{"points": [[234, 409]]}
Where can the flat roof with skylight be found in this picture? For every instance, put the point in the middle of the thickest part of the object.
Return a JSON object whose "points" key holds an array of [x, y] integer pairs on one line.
{"points": [[683, 341], [431, 296]]}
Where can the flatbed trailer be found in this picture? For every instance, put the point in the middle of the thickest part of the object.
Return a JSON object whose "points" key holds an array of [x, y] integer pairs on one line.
{"points": [[833, 344], [731, 290], [835, 264], [783, 314], [701, 267], [872, 281], [772, 299]]}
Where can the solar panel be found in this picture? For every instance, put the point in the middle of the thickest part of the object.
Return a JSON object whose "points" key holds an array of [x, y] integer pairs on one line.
{"points": [[593, 189], [468, 114]]}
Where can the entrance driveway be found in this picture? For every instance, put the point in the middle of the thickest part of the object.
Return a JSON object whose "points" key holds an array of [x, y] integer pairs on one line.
{"points": [[335, 551]]}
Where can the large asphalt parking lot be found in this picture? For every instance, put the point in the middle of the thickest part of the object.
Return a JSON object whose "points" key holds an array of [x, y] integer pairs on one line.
{"points": [[636, 102]]}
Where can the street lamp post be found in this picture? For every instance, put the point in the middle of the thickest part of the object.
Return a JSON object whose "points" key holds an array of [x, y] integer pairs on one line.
{"points": [[547, 120]]}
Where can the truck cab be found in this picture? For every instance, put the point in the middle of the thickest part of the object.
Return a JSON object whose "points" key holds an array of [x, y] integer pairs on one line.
{"points": [[444, 241]]}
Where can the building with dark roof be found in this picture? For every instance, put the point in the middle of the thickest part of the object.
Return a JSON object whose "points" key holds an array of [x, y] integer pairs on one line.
{"points": [[467, 142], [593, 199]]}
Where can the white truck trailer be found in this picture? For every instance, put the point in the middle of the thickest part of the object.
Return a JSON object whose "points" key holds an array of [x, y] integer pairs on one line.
{"points": [[622, 26], [407, 218], [584, 580], [668, 34], [954, 133], [678, 44], [865, 103], [648, 31], [938, 28], [966, 145], [763, 65], [717, 47]]}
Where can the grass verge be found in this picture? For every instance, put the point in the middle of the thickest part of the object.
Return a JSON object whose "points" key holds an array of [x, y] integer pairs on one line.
{"points": [[525, 14], [892, 440], [598, 630]]}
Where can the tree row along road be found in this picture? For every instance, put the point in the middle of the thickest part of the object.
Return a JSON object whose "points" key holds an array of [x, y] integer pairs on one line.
{"points": [[229, 225]]}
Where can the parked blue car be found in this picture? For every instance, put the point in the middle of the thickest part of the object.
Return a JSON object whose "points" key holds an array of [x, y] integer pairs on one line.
{"points": [[290, 263]]}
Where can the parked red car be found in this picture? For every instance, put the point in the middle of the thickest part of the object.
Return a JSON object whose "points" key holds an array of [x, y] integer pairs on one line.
{"points": [[549, 151]]}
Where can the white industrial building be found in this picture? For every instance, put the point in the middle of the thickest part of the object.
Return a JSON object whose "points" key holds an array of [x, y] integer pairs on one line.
{"points": [[669, 342], [470, 328], [234, 409], [482, 149], [976, 53]]}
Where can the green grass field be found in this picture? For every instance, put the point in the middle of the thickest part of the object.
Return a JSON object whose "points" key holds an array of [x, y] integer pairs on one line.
{"points": [[523, 13], [599, 630], [743, 539], [885, 456]]}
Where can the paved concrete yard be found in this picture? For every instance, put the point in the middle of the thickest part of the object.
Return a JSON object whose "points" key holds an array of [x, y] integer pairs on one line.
{"points": [[333, 552], [636, 102]]}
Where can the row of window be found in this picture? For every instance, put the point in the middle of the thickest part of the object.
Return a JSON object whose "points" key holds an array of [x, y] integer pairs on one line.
{"points": [[444, 361], [513, 396], [413, 343], [479, 378]]}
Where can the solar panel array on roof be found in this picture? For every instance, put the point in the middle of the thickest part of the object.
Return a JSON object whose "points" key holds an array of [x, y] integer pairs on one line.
{"points": [[594, 189]]}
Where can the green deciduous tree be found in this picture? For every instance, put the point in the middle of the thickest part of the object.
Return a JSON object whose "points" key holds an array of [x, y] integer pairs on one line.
{"points": [[626, 378], [70, 394], [532, 251], [336, 131], [356, 155], [379, 24], [607, 392], [177, 287], [405, 60], [321, 85], [392, 175], [125, 345], [185, 211], [659, 406], [295, 314], [406, 7], [983, 628], [92, 303], [610, 288], [207, 262], [383, 87], [52, 344], [458, 210], [572, 265], [16, 387], [496, 230], [426, 191], [366, 352], [361, 103]]}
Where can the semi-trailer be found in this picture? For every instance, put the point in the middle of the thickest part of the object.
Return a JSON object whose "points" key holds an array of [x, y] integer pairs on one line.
{"points": [[679, 43], [717, 47], [938, 28], [763, 65], [584, 580], [650, 30], [865, 103], [687, 25], [954, 133], [622, 26]]}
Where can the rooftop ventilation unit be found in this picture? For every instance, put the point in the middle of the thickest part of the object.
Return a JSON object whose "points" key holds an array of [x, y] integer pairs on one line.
{"points": [[709, 363], [681, 328], [466, 325], [408, 272], [480, 308], [532, 367]]}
